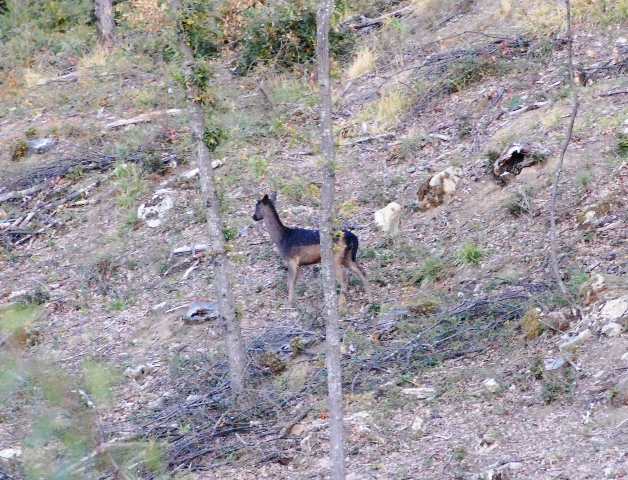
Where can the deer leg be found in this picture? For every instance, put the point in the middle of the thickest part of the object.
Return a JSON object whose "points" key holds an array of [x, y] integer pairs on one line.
{"points": [[357, 269], [293, 273], [341, 276]]}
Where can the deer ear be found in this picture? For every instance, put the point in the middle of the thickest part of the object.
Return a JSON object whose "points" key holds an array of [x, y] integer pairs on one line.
{"points": [[273, 196], [265, 199]]}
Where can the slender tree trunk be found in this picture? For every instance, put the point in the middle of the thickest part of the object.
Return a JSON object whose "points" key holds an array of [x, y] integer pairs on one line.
{"points": [[105, 23], [224, 291], [552, 206], [334, 372]]}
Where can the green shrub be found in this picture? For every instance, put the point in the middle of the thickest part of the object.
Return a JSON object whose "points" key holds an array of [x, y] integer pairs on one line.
{"points": [[18, 149], [202, 24], [470, 254], [60, 27], [283, 33], [622, 145]]}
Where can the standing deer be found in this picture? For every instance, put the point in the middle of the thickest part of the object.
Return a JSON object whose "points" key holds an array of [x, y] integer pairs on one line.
{"points": [[299, 246]]}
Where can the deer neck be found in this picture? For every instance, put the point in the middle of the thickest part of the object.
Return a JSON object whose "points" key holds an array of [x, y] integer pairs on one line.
{"points": [[276, 229]]}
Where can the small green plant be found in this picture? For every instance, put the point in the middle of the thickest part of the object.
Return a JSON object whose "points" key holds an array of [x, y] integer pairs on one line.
{"points": [[258, 166], [470, 254], [117, 304], [460, 453], [129, 181], [152, 160], [100, 272], [514, 103], [424, 306], [491, 157], [37, 297], [469, 70], [536, 368], [18, 149], [31, 132], [229, 233], [519, 203], [432, 270], [576, 280], [214, 136], [559, 386], [271, 361], [622, 145]]}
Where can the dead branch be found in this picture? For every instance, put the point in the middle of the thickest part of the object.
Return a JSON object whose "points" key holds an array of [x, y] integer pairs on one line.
{"points": [[377, 21], [609, 94], [143, 118], [552, 206], [69, 78], [367, 139], [70, 196], [191, 249], [22, 193]]}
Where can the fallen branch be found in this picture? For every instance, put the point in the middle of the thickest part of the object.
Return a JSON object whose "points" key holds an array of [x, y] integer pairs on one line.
{"points": [[22, 193], [70, 196], [609, 94], [143, 118], [367, 139], [377, 21], [191, 249], [69, 78]]}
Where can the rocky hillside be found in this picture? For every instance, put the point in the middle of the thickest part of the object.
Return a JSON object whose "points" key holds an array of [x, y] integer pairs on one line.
{"points": [[470, 363]]}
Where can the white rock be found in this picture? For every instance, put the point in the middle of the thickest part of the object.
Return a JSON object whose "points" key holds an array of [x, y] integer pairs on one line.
{"points": [[550, 364], [16, 293], [418, 425], [135, 373], [584, 335], [358, 417], [10, 453], [387, 218], [420, 393], [624, 357], [615, 309], [323, 462], [491, 385], [435, 190], [195, 398], [577, 341], [154, 212], [612, 329]]}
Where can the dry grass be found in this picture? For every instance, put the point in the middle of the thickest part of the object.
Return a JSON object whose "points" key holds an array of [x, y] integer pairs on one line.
{"points": [[391, 105], [363, 62]]}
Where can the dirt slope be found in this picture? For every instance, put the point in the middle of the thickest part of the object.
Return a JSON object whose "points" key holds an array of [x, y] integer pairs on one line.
{"points": [[114, 293]]}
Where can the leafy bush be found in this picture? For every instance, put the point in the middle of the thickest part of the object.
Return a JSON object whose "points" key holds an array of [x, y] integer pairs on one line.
{"points": [[202, 24], [283, 33], [59, 27]]}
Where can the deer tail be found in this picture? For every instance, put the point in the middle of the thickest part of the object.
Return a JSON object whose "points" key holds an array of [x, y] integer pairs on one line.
{"points": [[354, 246]]}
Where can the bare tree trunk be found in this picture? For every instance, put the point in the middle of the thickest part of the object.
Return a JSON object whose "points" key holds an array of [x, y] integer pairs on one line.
{"points": [[105, 23], [552, 207], [334, 372], [224, 292]]}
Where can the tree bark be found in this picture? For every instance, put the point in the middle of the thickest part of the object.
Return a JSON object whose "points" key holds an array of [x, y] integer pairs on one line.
{"points": [[334, 372], [236, 354], [105, 23]]}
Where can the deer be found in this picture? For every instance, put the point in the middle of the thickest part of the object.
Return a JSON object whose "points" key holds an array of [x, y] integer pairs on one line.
{"points": [[300, 246]]}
